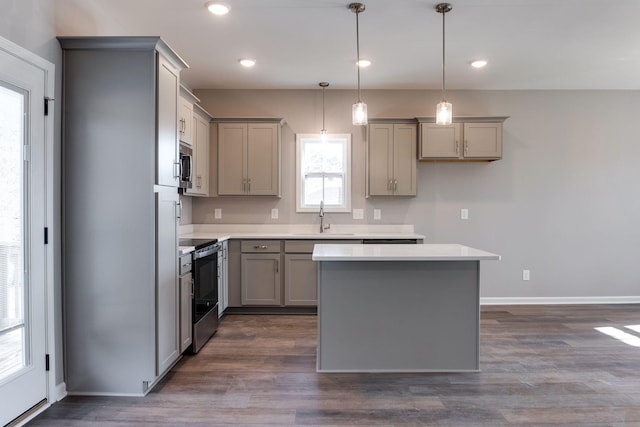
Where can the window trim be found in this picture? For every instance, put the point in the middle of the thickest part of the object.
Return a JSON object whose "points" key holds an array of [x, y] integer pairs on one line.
{"points": [[347, 174]]}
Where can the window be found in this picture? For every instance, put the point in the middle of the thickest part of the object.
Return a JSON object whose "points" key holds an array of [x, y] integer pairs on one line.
{"points": [[323, 172]]}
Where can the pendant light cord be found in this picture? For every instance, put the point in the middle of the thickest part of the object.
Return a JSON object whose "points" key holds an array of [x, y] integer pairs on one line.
{"points": [[443, 87], [358, 52], [323, 128]]}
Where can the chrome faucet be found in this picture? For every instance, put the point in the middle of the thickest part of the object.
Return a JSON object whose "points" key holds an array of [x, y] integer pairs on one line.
{"points": [[321, 215]]}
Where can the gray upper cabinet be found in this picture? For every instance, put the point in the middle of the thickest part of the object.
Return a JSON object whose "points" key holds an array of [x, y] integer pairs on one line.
{"points": [[472, 138], [167, 148], [200, 150], [185, 118], [391, 159], [120, 148], [249, 159]]}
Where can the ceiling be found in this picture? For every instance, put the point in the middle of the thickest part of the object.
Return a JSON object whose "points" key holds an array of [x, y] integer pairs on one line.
{"points": [[530, 44]]}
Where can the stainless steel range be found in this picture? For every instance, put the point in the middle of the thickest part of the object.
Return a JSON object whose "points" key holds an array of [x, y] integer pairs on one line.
{"points": [[205, 289]]}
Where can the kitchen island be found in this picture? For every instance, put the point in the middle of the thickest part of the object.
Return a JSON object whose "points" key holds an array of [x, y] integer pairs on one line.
{"points": [[399, 308]]}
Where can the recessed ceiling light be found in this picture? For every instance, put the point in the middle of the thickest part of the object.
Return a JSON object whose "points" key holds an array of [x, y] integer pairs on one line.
{"points": [[479, 63], [217, 8], [247, 62], [363, 63]]}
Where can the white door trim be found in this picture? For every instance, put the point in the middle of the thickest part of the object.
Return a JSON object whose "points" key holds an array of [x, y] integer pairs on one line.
{"points": [[55, 392]]}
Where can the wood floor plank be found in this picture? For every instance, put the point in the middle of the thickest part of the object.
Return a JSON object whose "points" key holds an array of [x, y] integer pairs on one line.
{"points": [[541, 366]]}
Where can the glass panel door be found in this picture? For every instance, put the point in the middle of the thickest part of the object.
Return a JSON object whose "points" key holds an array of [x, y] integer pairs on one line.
{"points": [[14, 351]]}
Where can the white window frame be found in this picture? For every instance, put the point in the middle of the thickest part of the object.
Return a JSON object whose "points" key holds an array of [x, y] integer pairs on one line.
{"points": [[300, 137]]}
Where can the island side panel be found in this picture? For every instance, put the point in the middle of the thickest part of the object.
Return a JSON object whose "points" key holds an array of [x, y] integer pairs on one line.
{"points": [[398, 316]]}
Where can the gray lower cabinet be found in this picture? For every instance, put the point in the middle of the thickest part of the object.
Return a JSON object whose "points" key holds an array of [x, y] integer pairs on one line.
{"points": [[223, 282], [186, 300], [300, 280], [120, 256], [167, 294], [260, 279]]}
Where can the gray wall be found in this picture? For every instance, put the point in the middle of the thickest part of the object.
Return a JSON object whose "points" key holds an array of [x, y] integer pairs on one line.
{"points": [[563, 202], [30, 24]]}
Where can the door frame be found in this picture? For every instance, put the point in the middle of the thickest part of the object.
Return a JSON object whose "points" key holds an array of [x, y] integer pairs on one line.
{"points": [[54, 392]]}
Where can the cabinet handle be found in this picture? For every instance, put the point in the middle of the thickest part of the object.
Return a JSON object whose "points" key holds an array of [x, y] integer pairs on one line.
{"points": [[244, 185], [177, 169], [457, 147], [179, 208], [249, 185], [277, 265], [395, 185], [260, 247], [389, 185], [466, 147]]}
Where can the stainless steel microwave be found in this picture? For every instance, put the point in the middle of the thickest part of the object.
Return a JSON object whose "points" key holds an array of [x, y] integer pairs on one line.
{"points": [[186, 167]]}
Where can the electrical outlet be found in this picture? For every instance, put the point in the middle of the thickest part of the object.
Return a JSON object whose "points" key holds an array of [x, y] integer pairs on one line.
{"points": [[358, 214], [217, 213], [526, 275], [464, 213], [274, 213], [377, 213]]}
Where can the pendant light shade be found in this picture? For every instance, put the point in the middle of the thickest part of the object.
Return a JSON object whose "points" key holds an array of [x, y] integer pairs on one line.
{"points": [[359, 109], [444, 110], [323, 132]]}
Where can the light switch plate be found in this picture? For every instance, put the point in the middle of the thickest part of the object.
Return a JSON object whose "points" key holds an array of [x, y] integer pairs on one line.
{"points": [[526, 275], [358, 214], [217, 213], [377, 213], [464, 213], [274, 213]]}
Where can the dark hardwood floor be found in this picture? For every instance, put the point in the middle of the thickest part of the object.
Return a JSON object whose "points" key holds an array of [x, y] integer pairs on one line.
{"points": [[541, 365]]}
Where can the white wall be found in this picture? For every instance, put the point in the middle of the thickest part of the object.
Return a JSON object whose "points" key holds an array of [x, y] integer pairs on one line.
{"points": [[563, 202], [30, 24]]}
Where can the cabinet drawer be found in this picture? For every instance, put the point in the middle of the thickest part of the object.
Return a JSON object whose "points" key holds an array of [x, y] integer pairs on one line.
{"points": [[260, 246], [306, 246]]}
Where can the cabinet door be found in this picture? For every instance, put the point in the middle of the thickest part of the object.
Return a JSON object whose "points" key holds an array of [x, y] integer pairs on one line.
{"points": [[300, 280], [260, 279], [380, 159], [440, 141], [167, 143], [263, 159], [167, 297], [223, 291], [200, 156], [185, 121], [232, 147], [186, 320], [483, 140], [404, 160]]}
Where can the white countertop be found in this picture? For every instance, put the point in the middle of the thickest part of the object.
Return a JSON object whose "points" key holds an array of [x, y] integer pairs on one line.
{"points": [[425, 252], [294, 231]]}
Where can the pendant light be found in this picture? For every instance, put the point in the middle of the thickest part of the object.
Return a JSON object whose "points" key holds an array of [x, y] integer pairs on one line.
{"points": [[323, 132], [444, 111], [359, 109]]}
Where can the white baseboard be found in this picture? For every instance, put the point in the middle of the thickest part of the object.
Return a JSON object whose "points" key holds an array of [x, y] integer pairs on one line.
{"points": [[61, 392], [559, 300]]}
